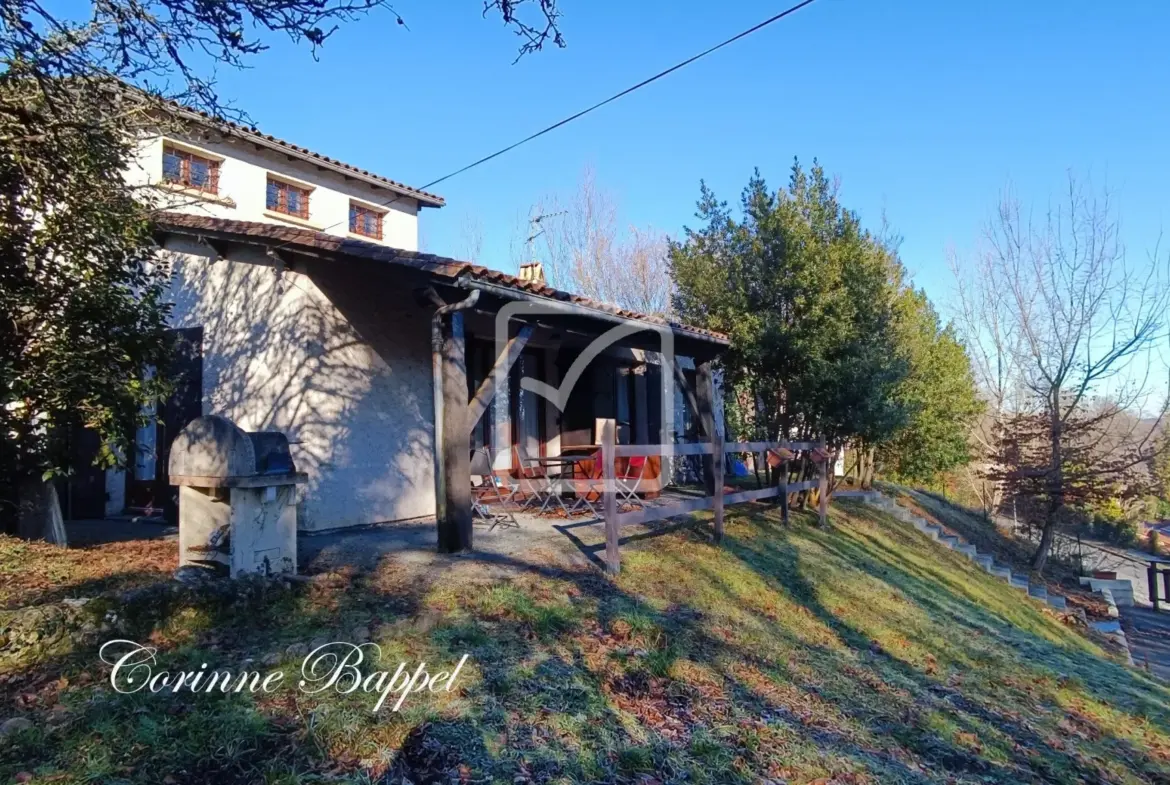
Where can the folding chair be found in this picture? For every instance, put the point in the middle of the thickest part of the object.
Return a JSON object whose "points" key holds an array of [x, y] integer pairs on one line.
{"points": [[630, 480], [530, 477], [490, 488]]}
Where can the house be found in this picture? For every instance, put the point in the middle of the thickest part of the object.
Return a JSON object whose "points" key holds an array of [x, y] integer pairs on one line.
{"points": [[303, 305]]}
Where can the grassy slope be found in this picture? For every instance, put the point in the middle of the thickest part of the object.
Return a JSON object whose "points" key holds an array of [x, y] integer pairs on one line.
{"points": [[861, 653], [1059, 575]]}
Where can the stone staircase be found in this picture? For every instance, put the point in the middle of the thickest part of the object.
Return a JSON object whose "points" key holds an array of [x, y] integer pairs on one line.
{"points": [[955, 543]]}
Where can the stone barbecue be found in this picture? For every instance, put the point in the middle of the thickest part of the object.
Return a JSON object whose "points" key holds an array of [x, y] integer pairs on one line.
{"points": [[237, 498]]}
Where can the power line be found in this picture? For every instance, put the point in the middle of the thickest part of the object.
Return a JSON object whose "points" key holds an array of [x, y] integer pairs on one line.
{"points": [[625, 92], [599, 104]]}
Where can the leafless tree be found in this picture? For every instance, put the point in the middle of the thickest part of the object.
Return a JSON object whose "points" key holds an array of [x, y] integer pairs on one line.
{"points": [[1057, 323], [584, 250], [470, 246]]}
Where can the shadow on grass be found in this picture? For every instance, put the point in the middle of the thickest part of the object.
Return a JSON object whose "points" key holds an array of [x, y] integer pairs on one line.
{"points": [[582, 678]]}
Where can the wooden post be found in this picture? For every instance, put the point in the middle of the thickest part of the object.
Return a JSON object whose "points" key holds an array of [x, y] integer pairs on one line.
{"points": [[454, 507], [782, 470], [705, 410], [713, 464], [607, 429], [823, 484], [717, 476]]}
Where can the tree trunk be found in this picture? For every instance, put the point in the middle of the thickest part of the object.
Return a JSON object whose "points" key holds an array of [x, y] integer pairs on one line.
{"points": [[865, 463], [40, 512], [1055, 483], [1046, 537]]}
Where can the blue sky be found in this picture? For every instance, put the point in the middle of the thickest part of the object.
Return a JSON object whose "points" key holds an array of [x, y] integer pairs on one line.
{"points": [[923, 109]]}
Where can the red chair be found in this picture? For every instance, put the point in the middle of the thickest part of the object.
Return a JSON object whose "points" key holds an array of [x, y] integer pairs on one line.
{"points": [[630, 480]]}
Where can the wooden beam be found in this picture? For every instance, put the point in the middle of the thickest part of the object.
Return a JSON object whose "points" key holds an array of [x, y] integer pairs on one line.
{"points": [[705, 411], [613, 559], [648, 514], [823, 484], [680, 379], [502, 366], [682, 448], [454, 518]]}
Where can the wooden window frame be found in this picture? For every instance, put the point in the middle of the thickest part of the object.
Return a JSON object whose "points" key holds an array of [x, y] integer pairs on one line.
{"points": [[281, 206], [186, 157], [356, 209]]}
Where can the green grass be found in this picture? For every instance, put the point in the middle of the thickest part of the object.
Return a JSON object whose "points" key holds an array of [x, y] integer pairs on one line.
{"points": [[859, 653]]}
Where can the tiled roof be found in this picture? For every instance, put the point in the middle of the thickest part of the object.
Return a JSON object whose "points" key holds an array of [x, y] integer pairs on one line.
{"points": [[256, 136], [295, 237]]}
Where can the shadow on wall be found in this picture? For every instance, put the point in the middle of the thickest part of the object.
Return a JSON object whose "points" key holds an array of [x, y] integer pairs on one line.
{"points": [[336, 356]]}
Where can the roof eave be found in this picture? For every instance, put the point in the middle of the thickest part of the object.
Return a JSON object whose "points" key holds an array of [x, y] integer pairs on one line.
{"points": [[229, 129]]}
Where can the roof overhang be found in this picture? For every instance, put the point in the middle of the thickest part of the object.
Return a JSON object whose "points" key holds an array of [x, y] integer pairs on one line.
{"points": [[534, 300]]}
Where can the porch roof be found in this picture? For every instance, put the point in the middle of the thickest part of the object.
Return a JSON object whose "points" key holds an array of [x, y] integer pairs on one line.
{"points": [[276, 237]]}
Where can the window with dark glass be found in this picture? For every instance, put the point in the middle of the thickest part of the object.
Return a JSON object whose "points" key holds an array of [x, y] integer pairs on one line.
{"points": [[190, 170], [364, 221], [287, 198]]}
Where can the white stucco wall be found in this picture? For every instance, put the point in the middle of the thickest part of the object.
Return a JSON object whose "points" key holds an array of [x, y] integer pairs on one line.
{"points": [[338, 362], [243, 180]]}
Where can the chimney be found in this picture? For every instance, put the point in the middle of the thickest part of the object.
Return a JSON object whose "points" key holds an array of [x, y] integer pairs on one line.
{"points": [[532, 272]]}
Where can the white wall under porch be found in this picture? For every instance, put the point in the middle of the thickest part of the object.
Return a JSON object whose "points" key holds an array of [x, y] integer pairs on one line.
{"points": [[334, 358]]}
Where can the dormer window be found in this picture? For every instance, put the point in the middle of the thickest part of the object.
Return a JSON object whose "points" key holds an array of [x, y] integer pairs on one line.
{"points": [[288, 198], [190, 170], [365, 221]]}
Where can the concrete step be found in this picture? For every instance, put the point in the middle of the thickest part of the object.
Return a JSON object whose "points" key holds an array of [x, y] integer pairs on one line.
{"points": [[1058, 602], [1001, 572], [1122, 590], [968, 549], [1038, 592], [949, 540], [1106, 626], [1020, 582], [984, 560]]}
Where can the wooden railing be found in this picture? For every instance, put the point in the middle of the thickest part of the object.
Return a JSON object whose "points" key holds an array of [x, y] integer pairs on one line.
{"points": [[615, 521]]}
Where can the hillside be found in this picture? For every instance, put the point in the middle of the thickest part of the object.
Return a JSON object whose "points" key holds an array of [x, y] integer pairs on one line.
{"points": [[860, 653]]}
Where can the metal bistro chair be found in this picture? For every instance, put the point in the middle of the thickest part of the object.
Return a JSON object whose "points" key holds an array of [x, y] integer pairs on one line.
{"points": [[629, 481], [491, 488], [531, 478]]}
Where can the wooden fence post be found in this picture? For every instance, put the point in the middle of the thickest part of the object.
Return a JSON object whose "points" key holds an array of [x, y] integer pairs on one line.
{"points": [[613, 562], [823, 484], [782, 470], [719, 457]]}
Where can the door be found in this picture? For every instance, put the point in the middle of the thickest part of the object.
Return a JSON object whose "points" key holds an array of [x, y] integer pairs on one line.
{"points": [[147, 489]]}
